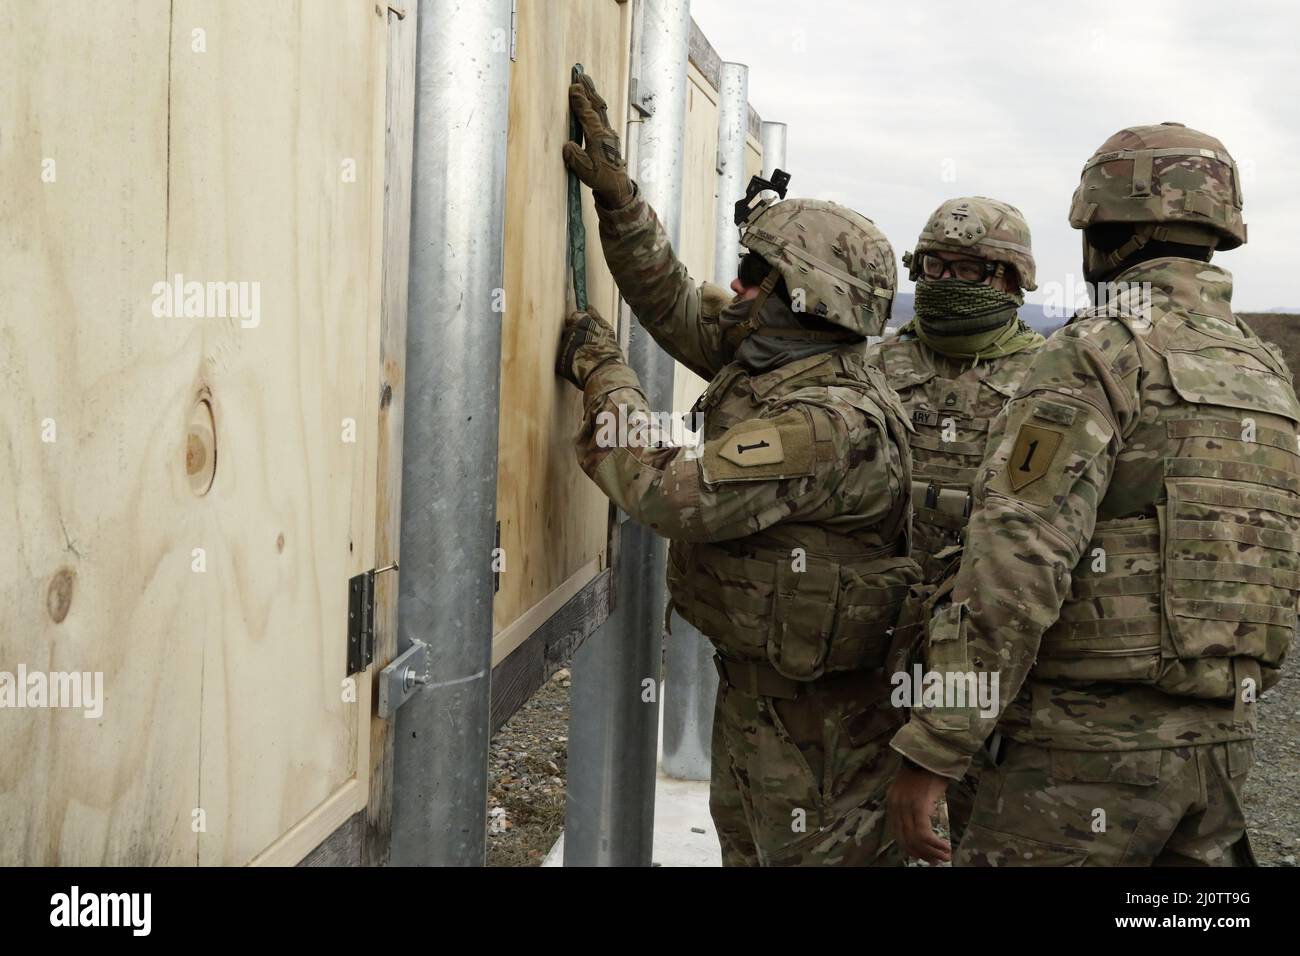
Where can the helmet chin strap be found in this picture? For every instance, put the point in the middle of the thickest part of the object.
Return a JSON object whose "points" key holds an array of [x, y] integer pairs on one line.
{"points": [[743, 330], [1099, 264]]}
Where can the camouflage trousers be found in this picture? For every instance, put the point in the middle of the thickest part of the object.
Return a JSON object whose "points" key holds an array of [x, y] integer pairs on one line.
{"points": [[802, 782], [1179, 806]]}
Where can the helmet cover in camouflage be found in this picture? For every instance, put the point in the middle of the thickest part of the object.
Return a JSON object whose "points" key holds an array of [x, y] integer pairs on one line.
{"points": [[982, 228], [834, 261], [1164, 174]]}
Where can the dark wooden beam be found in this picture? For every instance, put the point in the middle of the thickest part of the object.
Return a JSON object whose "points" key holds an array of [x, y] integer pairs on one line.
{"points": [[343, 847], [549, 648]]}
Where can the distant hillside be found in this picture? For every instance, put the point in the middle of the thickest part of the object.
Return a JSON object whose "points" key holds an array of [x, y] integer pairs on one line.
{"points": [[1279, 326], [1282, 328]]}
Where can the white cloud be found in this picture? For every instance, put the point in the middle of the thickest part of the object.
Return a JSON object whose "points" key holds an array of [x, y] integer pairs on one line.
{"points": [[1017, 96]]}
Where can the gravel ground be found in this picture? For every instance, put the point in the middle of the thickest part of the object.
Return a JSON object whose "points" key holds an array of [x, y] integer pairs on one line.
{"points": [[1273, 790], [526, 778], [529, 755]]}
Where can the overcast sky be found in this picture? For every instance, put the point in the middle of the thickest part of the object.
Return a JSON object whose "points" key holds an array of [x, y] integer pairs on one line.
{"points": [[893, 107]]}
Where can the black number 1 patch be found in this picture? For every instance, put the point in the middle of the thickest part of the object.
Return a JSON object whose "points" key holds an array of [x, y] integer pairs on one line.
{"points": [[1035, 450]]}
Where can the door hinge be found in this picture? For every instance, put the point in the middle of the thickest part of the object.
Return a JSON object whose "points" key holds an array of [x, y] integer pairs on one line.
{"points": [[361, 619]]}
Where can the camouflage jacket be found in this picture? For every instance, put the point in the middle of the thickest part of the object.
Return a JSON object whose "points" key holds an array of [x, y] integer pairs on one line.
{"points": [[788, 525], [951, 403], [1132, 563]]}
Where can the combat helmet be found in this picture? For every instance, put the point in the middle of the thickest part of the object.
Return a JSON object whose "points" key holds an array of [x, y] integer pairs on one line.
{"points": [[834, 261], [1160, 180], [981, 227]]}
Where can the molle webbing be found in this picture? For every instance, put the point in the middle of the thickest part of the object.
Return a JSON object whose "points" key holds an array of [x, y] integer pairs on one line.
{"points": [[807, 615], [1208, 588]]}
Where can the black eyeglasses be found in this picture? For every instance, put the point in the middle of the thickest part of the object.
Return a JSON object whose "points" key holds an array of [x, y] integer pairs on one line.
{"points": [[968, 270]]}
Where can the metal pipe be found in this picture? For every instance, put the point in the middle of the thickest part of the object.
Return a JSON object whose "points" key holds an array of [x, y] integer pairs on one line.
{"points": [[690, 680], [449, 442], [733, 133], [772, 136], [614, 709], [690, 687]]}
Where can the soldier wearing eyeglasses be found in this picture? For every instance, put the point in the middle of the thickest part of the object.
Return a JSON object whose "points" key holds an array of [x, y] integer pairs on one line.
{"points": [[954, 367]]}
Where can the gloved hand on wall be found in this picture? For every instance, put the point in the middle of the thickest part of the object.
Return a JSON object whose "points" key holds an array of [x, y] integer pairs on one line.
{"points": [[586, 343], [598, 162]]}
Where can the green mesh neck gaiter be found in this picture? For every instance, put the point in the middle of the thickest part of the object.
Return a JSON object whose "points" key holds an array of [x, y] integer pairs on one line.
{"points": [[956, 307], [969, 319]]}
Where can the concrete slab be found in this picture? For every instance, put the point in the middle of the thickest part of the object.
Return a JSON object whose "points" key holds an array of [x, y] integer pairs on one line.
{"points": [[684, 834]]}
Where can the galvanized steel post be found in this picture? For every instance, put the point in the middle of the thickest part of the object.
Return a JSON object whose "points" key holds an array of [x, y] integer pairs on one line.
{"points": [[614, 710], [733, 134], [772, 136], [690, 681], [449, 470]]}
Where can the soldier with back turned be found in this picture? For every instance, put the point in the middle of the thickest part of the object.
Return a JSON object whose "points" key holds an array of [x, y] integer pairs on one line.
{"points": [[1132, 566]]}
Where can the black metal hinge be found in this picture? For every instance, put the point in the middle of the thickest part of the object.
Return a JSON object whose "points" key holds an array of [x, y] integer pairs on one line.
{"points": [[361, 619]]}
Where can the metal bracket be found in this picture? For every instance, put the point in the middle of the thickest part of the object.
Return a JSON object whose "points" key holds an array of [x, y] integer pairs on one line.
{"points": [[361, 619], [643, 105], [399, 680], [514, 27]]}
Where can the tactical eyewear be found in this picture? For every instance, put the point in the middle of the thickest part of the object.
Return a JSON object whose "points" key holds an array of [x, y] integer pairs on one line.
{"points": [[968, 270]]}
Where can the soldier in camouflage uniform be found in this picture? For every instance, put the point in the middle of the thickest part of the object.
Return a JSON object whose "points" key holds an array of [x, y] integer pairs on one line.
{"points": [[789, 532], [954, 367], [1132, 567], [961, 359]]}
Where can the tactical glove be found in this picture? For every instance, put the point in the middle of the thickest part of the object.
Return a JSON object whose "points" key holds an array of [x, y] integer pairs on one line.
{"points": [[598, 163], [586, 343]]}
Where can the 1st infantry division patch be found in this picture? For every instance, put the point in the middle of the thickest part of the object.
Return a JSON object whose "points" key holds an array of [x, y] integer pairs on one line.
{"points": [[1035, 450]]}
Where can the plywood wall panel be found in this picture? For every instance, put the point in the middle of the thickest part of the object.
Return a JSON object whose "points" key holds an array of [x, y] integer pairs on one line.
{"points": [[554, 520], [699, 191], [753, 158], [208, 140], [274, 171], [96, 529]]}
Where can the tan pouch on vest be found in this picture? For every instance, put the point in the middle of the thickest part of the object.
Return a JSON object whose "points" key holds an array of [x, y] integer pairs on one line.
{"points": [[803, 621]]}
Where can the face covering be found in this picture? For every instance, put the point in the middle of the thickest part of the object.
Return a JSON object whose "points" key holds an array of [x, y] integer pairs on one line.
{"points": [[761, 353], [969, 319]]}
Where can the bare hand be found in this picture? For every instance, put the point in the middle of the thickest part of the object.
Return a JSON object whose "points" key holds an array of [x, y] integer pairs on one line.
{"points": [[911, 802]]}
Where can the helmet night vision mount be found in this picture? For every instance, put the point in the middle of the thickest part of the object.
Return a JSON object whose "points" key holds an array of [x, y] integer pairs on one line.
{"points": [[745, 208]]}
